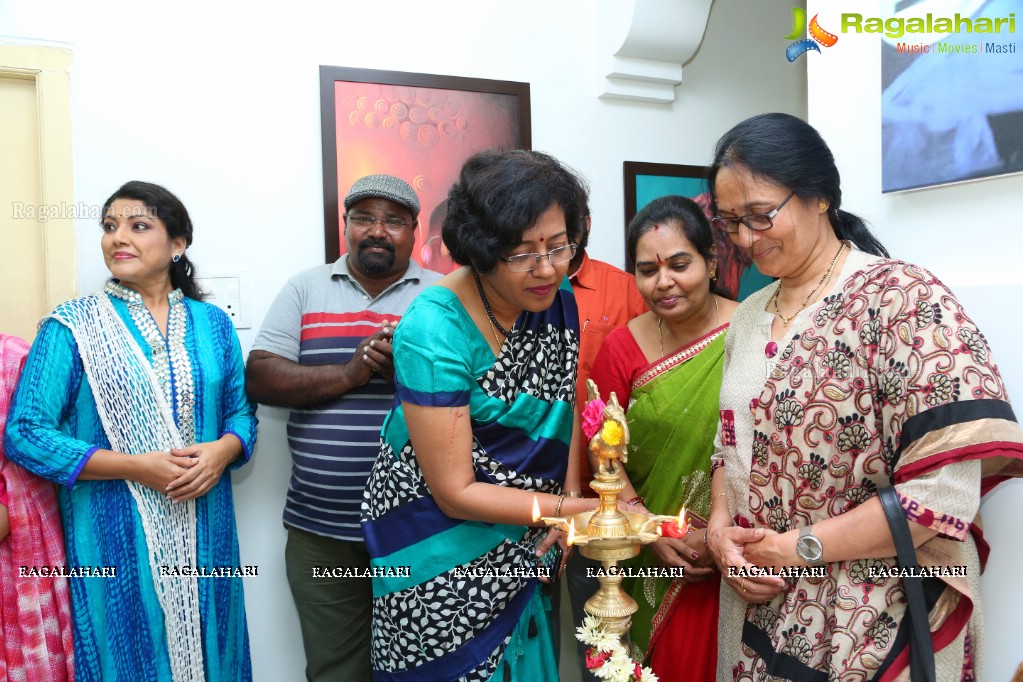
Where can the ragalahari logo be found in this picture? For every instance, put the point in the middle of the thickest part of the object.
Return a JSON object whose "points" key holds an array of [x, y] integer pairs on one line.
{"points": [[804, 45]]}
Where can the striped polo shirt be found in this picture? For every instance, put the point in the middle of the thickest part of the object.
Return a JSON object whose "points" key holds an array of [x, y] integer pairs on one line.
{"points": [[319, 318]]}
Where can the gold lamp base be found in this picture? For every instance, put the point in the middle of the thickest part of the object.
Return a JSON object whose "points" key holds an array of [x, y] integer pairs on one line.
{"points": [[610, 535], [610, 603]]}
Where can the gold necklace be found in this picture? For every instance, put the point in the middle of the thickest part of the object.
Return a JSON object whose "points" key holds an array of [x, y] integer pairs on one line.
{"points": [[660, 332], [496, 339], [786, 321]]}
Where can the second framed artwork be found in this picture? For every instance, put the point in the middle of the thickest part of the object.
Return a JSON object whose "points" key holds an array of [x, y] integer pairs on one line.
{"points": [[418, 127], [738, 277]]}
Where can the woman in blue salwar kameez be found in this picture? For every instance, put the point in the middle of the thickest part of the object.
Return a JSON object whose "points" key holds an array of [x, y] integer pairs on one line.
{"points": [[133, 401]]}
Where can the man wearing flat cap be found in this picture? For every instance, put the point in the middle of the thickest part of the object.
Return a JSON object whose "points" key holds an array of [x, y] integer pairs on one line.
{"points": [[325, 352]]}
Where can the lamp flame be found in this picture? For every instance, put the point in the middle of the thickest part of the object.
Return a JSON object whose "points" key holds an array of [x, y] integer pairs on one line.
{"points": [[682, 528], [536, 510], [571, 532]]}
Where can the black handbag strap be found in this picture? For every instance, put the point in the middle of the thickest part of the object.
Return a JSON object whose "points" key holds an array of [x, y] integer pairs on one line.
{"points": [[921, 647]]}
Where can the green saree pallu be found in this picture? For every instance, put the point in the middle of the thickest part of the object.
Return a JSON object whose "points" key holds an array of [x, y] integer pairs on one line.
{"points": [[673, 416]]}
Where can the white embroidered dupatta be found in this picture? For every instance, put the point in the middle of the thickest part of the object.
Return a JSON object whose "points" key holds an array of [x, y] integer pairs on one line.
{"points": [[136, 418]]}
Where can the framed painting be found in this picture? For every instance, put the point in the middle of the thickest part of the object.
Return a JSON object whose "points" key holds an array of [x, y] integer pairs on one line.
{"points": [[418, 127], [738, 277]]}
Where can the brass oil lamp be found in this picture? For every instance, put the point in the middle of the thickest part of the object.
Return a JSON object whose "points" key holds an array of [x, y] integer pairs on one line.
{"points": [[608, 534]]}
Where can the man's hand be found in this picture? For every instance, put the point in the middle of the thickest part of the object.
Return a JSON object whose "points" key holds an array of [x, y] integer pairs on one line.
{"points": [[374, 356], [273, 380]]}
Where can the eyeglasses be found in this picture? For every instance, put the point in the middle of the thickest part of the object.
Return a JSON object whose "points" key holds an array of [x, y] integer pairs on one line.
{"points": [[393, 226], [754, 221], [524, 262]]}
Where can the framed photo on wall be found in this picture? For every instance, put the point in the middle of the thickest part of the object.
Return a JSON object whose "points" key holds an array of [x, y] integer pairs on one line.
{"points": [[951, 106], [418, 127], [738, 277]]}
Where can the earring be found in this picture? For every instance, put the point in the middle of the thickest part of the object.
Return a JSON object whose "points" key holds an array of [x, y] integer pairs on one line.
{"points": [[176, 258], [822, 205], [714, 272]]}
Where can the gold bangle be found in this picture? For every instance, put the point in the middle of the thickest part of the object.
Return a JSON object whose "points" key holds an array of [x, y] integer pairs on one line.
{"points": [[573, 493], [718, 495], [557, 509]]}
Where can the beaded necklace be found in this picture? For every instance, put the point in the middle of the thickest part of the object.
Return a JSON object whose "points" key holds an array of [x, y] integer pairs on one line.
{"points": [[171, 362], [494, 324]]}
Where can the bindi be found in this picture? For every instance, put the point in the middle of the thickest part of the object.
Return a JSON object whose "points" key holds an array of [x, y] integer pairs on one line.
{"points": [[541, 240], [656, 227], [660, 261]]}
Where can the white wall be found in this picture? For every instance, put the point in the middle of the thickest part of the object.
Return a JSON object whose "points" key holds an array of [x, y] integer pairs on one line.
{"points": [[969, 236], [220, 103]]}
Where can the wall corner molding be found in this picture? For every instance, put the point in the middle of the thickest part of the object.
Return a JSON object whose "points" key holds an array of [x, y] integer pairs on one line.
{"points": [[662, 36]]}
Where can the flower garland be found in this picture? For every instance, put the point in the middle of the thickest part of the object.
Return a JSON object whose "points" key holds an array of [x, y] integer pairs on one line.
{"points": [[607, 658]]}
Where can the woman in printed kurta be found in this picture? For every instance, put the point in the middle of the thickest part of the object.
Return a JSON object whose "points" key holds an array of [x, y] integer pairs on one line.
{"points": [[56, 430], [852, 373], [485, 368]]}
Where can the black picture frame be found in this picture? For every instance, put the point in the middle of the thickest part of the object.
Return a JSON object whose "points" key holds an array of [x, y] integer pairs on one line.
{"points": [[407, 85]]}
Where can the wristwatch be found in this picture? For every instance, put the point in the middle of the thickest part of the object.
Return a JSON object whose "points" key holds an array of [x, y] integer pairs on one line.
{"points": [[809, 547]]}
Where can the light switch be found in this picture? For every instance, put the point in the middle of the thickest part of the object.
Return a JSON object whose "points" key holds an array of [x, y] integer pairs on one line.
{"points": [[226, 292]]}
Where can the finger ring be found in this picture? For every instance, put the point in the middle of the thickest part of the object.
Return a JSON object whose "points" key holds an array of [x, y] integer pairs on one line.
{"points": [[742, 584]]}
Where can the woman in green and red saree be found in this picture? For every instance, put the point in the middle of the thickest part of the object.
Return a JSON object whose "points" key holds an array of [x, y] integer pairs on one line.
{"points": [[665, 368]]}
